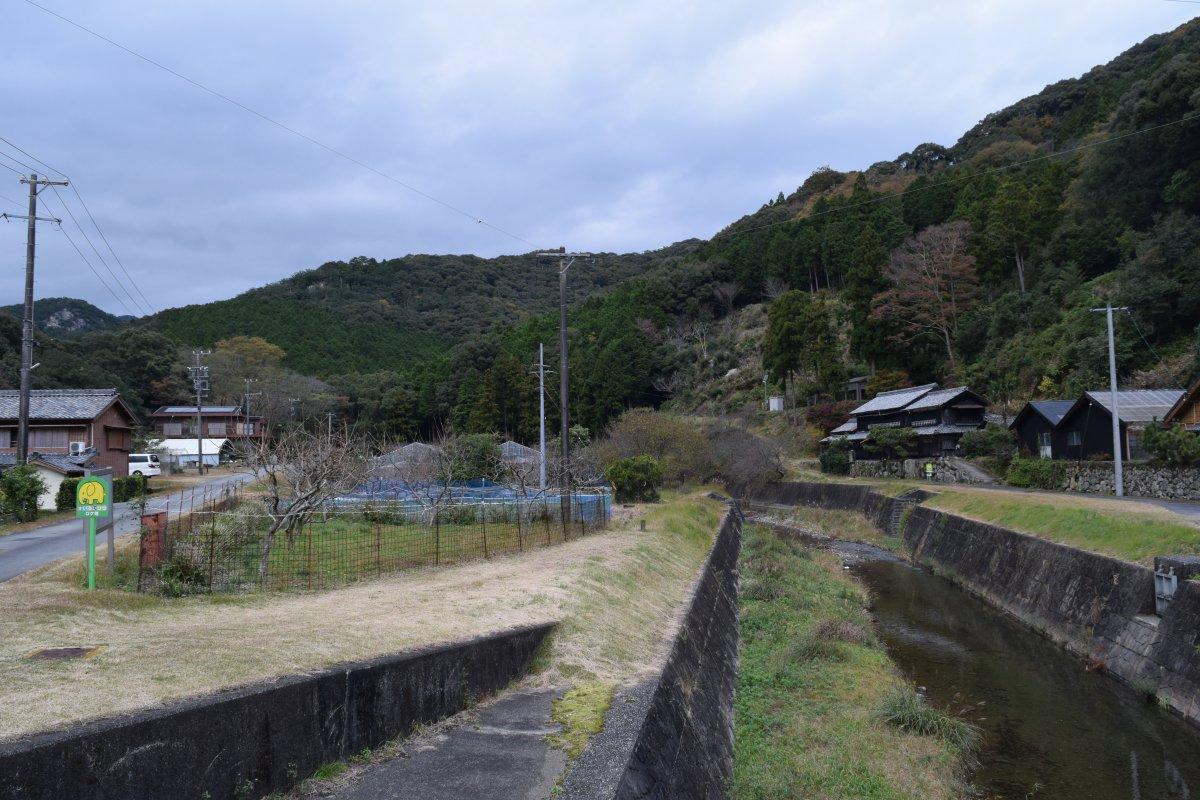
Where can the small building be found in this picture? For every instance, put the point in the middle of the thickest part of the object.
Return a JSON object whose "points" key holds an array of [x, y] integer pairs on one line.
{"points": [[775, 402], [53, 470], [518, 455], [938, 416], [1036, 426], [1086, 428], [186, 452], [854, 389], [219, 422], [96, 423], [1186, 411], [415, 460]]}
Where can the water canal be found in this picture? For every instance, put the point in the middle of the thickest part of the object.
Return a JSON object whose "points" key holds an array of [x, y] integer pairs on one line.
{"points": [[1051, 728]]}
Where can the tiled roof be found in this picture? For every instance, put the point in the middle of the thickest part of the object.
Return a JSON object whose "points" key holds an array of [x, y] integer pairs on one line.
{"points": [[1138, 405], [936, 399], [893, 400], [1052, 410], [935, 430], [849, 426], [58, 403], [62, 463], [192, 410]]}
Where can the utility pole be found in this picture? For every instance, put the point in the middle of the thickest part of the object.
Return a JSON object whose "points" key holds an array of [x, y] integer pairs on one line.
{"points": [[541, 416], [1119, 476], [247, 429], [27, 318], [565, 260], [200, 384]]}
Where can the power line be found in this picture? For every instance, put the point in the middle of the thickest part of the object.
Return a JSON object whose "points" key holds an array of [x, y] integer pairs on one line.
{"points": [[281, 125], [93, 269], [74, 188], [90, 244], [965, 178]]}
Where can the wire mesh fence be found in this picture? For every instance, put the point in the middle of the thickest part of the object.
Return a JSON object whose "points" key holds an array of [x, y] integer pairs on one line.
{"points": [[231, 547]]}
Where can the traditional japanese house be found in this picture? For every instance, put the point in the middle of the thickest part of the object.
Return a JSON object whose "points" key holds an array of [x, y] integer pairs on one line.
{"points": [[1036, 426], [1086, 428], [1186, 411], [938, 416]]}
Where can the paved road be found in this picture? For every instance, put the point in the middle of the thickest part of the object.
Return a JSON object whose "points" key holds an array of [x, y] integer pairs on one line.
{"points": [[498, 752], [21, 552], [1184, 508]]}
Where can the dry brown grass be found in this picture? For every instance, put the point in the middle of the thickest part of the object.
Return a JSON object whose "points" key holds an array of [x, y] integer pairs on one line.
{"points": [[616, 593]]}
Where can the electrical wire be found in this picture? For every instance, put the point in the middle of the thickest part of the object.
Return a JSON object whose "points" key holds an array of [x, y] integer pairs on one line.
{"points": [[1133, 319], [75, 189], [92, 245], [271, 120], [93, 269], [964, 178]]}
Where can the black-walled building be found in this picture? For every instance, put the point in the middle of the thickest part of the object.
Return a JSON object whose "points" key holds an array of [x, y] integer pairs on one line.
{"points": [[1036, 426], [1086, 429]]}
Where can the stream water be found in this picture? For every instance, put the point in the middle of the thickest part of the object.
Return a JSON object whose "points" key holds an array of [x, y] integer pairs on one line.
{"points": [[1051, 728]]}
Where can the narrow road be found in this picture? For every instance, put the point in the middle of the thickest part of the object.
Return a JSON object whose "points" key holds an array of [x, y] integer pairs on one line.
{"points": [[21, 552]]}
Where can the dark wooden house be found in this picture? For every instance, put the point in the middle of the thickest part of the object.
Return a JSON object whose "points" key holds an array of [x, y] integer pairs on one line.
{"points": [[1086, 429], [71, 426], [1186, 411], [939, 416], [1036, 426], [218, 422]]}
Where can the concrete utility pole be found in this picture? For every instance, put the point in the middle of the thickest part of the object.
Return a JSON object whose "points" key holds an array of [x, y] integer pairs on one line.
{"points": [[247, 430], [200, 384], [1119, 476], [565, 260], [541, 416], [27, 318]]}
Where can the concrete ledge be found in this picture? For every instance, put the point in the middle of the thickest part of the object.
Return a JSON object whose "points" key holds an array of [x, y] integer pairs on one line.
{"points": [[257, 739], [673, 737]]}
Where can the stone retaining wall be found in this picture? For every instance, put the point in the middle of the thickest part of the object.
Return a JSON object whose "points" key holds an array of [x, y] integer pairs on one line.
{"points": [[672, 739], [253, 741], [1099, 607], [1141, 480]]}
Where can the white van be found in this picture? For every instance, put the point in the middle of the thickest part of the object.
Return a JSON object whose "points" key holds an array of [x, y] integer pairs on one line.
{"points": [[144, 464]]}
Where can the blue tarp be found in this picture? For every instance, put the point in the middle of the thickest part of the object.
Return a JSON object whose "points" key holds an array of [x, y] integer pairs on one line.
{"points": [[587, 505]]}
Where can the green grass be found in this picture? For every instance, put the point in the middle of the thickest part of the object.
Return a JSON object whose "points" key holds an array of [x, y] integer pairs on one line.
{"points": [[904, 709], [811, 682], [580, 712], [1127, 535]]}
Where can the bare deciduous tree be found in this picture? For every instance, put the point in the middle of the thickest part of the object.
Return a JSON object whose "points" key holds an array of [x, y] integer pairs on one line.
{"points": [[299, 471], [725, 293]]}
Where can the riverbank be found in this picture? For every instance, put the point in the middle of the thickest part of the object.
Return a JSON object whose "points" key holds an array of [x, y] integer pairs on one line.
{"points": [[816, 690]]}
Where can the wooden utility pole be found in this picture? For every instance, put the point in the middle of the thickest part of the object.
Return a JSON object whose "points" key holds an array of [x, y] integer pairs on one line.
{"points": [[565, 260], [27, 317]]}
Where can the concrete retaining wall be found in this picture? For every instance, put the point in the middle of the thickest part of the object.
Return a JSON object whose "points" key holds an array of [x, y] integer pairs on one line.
{"points": [[1099, 607], [255, 740], [672, 739]]}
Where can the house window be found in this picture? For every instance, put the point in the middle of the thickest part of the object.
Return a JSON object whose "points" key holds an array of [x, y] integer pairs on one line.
{"points": [[48, 438], [1075, 438], [247, 429], [117, 438], [1044, 445], [6, 437], [172, 429], [216, 429]]}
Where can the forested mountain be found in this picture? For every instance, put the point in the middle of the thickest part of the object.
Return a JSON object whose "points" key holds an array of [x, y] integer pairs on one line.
{"points": [[1085, 192], [66, 316]]}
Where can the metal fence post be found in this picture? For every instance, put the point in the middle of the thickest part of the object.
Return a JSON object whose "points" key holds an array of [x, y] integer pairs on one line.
{"points": [[212, 549], [483, 516], [437, 537]]}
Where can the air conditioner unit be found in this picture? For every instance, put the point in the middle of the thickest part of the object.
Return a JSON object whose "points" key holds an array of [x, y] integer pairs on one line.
{"points": [[78, 448]]}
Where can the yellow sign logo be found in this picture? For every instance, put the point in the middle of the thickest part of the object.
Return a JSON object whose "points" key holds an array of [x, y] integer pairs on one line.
{"points": [[91, 493]]}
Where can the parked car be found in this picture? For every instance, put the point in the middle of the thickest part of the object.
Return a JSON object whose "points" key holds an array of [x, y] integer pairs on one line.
{"points": [[144, 464]]}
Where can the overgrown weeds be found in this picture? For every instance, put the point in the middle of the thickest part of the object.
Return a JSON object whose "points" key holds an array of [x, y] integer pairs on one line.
{"points": [[905, 709]]}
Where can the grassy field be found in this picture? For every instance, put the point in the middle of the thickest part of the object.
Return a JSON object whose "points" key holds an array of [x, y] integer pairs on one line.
{"points": [[820, 710], [1098, 526], [616, 593]]}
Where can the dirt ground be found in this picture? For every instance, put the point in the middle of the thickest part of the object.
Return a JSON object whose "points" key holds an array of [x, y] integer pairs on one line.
{"points": [[617, 595]]}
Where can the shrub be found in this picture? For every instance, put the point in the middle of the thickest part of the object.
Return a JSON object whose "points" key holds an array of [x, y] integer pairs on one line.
{"points": [[1035, 473], [835, 459], [125, 489], [676, 444], [635, 479], [993, 441], [744, 462], [65, 499], [828, 416], [889, 442], [904, 709], [1172, 445], [179, 577], [20, 488]]}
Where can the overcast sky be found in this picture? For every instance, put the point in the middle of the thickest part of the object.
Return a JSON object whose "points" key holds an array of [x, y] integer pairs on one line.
{"points": [[601, 126]]}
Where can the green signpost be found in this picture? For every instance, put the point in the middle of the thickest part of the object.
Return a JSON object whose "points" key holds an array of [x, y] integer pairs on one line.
{"points": [[93, 503]]}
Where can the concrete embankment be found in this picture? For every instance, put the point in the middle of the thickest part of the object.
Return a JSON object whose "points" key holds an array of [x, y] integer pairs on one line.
{"points": [[255, 740], [672, 737], [1099, 607]]}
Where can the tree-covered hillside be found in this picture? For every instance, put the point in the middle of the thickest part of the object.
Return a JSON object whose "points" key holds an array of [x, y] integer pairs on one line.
{"points": [[66, 316], [977, 262]]}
